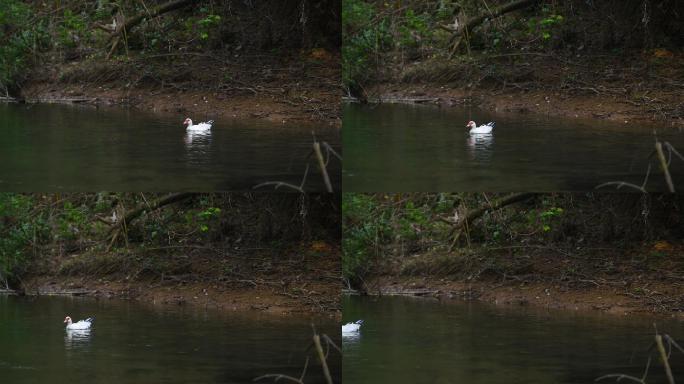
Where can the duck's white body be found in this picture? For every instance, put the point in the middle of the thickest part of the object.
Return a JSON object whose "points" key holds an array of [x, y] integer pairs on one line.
{"points": [[80, 325], [485, 128], [198, 127], [352, 327]]}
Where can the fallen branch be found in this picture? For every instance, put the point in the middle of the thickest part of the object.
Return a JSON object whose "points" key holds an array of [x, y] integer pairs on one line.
{"points": [[659, 151], [322, 356], [664, 358], [120, 29], [321, 165], [322, 162], [62, 100], [464, 28], [470, 216], [664, 355], [277, 184], [119, 226], [8, 99], [664, 166]]}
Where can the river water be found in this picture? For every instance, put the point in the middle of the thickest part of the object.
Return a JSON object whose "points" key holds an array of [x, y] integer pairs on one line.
{"points": [[409, 340], [59, 147], [414, 148], [136, 343]]}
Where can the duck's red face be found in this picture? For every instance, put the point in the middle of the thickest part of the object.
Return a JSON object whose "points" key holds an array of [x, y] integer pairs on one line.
{"points": [[187, 121], [67, 319], [471, 124]]}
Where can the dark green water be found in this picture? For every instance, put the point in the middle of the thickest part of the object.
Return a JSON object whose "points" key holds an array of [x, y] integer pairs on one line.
{"points": [[408, 340], [404, 148], [58, 147], [135, 343]]}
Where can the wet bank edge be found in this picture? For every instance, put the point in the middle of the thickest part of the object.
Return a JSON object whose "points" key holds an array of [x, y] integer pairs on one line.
{"points": [[549, 103], [259, 298], [594, 296]]}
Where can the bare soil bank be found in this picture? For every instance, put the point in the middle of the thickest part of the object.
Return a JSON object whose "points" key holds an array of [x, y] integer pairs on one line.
{"points": [[607, 298], [625, 89], [295, 283], [649, 280], [302, 88]]}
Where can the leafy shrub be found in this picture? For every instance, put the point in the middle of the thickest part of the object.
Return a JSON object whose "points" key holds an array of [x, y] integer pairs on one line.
{"points": [[19, 227], [364, 229], [545, 25], [71, 30], [203, 28], [362, 37], [17, 40], [373, 224]]}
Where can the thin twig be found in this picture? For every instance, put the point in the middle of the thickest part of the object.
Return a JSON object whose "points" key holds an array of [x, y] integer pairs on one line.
{"points": [[664, 359], [279, 184], [621, 184], [664, 166], [321, 165]]}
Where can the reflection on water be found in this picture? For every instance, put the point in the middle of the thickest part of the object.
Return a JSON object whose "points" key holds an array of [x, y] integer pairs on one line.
{"points": [[480, 147], [198, 147], [408, 340], [351, 337], [76, 338], [405, 148], [197, 139], [57, 147]]}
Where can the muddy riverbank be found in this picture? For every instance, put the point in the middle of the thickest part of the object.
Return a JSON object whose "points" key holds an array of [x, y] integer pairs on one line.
{"points": [[272, 286], [302, 88], [628, 90], [609, 298], [261, 296], [645, 280]]}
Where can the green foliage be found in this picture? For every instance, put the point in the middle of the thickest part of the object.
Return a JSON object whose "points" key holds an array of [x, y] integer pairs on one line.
{"points": [[72, 29], [203, 27], [543, 219], [373, 223], [19, 227], [70, 222], [372, 29], [548, 216], [545, 25], [207, 25], [207, 217], [364, 228], [362, 38], [77, 233], [413, 29], [20, 35]]}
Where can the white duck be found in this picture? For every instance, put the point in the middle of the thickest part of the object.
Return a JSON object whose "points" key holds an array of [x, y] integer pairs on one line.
{"points": [[486, 128], [81, 324], [198, 127], [352, 327]]}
